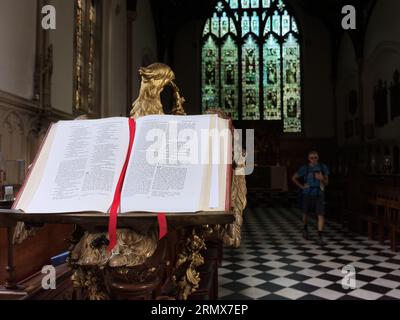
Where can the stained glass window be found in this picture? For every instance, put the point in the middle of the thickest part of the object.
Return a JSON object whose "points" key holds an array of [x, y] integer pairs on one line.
{"points": [[251, 62], [232, 27], [92, 58], [272, 79], [276, 23], [250, 80], [245, 4], [86, 56], [254, 3], [291, 89], [294, 26], [210, 76], [245, 24], [215, 25], [268, 25], [255, 22], [266, 3], [233, 4], [206, 28], [224, 24], [229, 79], [285, 23], [79, 61]]}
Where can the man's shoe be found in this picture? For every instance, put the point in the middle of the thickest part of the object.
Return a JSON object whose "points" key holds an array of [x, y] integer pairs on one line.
{"points": [[321, 241], [305, 234]]}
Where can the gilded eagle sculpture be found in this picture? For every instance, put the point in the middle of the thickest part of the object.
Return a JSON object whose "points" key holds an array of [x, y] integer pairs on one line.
{"points": [[154, 79]]}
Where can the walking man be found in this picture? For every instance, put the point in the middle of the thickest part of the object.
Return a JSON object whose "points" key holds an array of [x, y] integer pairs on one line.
{"points": [[315, 177]]}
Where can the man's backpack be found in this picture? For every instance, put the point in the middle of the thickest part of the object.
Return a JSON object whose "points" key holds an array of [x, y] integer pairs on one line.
{"points": [[301, 194]]}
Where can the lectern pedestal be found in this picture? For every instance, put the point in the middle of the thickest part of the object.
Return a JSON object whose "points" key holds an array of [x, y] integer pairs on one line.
{"points": [[145, 268]]}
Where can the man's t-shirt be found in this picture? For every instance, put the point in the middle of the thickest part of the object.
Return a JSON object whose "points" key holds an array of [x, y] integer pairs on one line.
{"points": [[315, 187]]}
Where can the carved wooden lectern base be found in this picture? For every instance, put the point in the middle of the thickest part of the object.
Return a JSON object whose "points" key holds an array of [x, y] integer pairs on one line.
{"points": [[141, 267]]}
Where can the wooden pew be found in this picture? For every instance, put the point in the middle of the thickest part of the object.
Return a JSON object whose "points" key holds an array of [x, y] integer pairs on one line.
{"points": [[384, 218]]}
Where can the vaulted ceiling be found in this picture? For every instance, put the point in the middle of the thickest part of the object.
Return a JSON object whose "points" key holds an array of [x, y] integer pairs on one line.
{"points": [[330, 13]]}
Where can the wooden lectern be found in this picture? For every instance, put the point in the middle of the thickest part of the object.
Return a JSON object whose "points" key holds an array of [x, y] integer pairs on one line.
{"points": [[182, 265], [164, 274]]}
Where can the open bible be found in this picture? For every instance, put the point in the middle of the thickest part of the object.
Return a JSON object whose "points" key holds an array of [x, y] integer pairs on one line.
{"points": [[157, 163]]}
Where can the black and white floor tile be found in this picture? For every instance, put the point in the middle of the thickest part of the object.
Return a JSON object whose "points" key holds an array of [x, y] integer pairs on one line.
{"points": [[274, 262]]}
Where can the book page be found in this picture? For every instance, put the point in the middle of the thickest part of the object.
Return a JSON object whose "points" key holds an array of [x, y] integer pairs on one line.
{"points": [[83, 167], [225, 168], [215, 161], [165, 172], [36, 171], [221, 160]]}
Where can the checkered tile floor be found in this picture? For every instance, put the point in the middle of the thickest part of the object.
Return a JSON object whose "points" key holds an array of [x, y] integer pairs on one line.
{"points": [[275, 263]]}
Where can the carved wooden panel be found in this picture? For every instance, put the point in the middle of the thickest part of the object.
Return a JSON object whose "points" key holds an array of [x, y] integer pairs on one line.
{"points": [[381, 103], [395, 95], [35, 252], [349, 129]]}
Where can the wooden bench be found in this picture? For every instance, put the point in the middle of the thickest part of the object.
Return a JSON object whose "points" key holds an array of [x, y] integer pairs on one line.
{"points": [[383, 220]]}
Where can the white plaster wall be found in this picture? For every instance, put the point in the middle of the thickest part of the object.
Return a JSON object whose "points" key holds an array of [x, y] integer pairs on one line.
{"points": [[384, 25], [62, 40], [318, 103], [114, 58], [187, 55], [347, 80], [382, 58], [144, 42], [17, 46]]}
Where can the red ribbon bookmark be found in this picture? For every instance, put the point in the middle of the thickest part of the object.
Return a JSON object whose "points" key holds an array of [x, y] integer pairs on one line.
{"points": [[112, 225], [162, 225]]}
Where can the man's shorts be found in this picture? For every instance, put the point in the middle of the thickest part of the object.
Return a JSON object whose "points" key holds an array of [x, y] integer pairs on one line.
{"points": [[314, 204]]}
